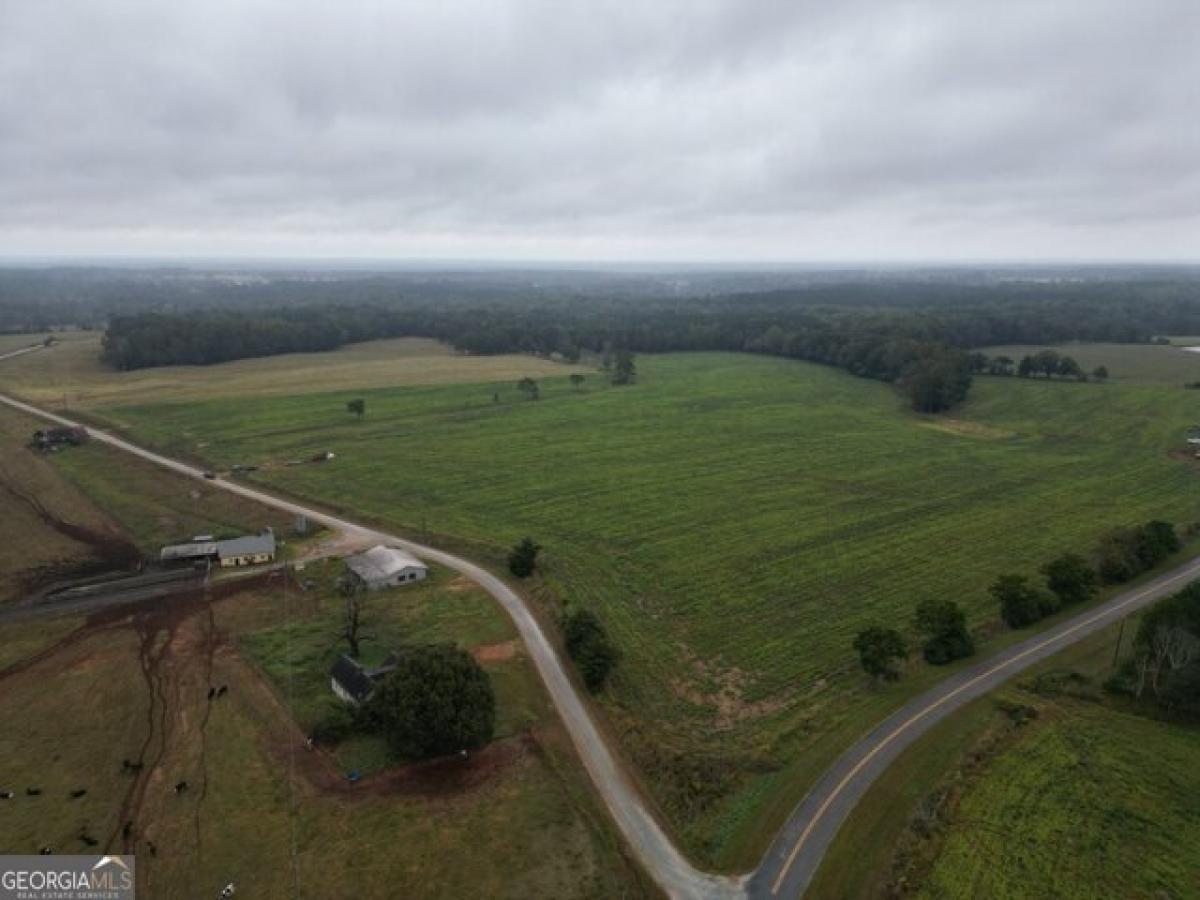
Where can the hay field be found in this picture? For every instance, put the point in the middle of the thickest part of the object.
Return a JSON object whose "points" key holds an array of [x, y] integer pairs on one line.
{"points": [[71, 373]]}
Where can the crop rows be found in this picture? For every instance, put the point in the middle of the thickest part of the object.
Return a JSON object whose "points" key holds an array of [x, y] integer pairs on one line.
{"points": [[733, 520]]}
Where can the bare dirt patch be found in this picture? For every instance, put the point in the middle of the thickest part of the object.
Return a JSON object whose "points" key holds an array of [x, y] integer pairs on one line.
{"points": [[488, 653], [963, 428], [723, 690]]}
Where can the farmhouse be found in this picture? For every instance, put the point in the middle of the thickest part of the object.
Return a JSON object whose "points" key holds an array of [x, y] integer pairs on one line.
{"points": [[243, 551], [384, 567], [353, 682]]}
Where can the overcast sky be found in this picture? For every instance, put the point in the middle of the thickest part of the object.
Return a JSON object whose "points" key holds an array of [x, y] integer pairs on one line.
{"points": [[648, 130]]}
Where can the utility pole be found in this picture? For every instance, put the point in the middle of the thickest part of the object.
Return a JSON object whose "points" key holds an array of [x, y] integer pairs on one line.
{"points": [[1117, 651]]}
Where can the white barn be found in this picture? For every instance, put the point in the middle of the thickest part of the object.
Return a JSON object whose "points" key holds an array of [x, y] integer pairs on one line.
{"points": [[384, 567]]}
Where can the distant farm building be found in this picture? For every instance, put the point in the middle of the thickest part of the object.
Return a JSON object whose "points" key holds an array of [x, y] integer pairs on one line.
{"points": [[251, 550], [384, 567], [53, 438], [353, 682]]}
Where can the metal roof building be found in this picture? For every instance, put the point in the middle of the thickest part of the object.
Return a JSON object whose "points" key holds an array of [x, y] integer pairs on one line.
{"points": [[247, 551], [190, 550], [383, 567], [242, 551]]}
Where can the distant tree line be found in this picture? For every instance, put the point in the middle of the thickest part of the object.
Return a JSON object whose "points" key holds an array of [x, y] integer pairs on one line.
{"points": [[917, 336], [1048, 363]]}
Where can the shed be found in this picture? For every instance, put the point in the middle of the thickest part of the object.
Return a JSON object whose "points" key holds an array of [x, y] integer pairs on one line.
{"points": [[384, 567], [192, 550], [353, 682]]}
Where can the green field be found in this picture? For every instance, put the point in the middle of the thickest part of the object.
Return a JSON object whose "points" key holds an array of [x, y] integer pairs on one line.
{"points": [[1092, 802], [733, 520]]}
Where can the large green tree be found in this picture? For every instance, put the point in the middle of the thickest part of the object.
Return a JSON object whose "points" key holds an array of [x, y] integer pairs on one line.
{"points": [[879, 649], [1021, 603], [944, 625], [589, 646], [436, 702], [624, 369], [1070, 578], [522, 559]]}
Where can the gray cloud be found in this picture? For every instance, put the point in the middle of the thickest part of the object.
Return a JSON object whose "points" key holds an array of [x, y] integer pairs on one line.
{"points": [[672, 129]]}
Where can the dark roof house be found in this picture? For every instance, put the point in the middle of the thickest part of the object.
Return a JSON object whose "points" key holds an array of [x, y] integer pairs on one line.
{"points": [[353, 682]]}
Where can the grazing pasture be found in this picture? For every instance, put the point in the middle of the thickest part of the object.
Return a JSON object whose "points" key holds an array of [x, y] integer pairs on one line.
{"points": [[119, 708], [733, 521], [82, 695], [49, 529]]}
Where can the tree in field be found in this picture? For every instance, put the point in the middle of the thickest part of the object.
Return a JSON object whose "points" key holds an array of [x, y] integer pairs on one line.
{"points": [[879, 649], [529, 388], [1156, 541], [936, 382], [358, 407], [623, 369], [1025, 368], [352, 621], [1000, 365], [1069, 368], [979, 362], [1046, 362], [1070, 578], [1117, 555], [1100, 373], [1020, 602], [944, 625], [589, 645], [1126, 552], [577, 380], [522, 559], [436, 702]]}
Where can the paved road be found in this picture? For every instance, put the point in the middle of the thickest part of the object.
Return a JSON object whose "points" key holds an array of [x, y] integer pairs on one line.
{"points": [[790, 864], [788, 867], [660, 857]]}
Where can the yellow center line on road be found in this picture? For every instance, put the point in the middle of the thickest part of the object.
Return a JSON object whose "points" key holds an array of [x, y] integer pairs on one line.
{"points": [[904, 726]]}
